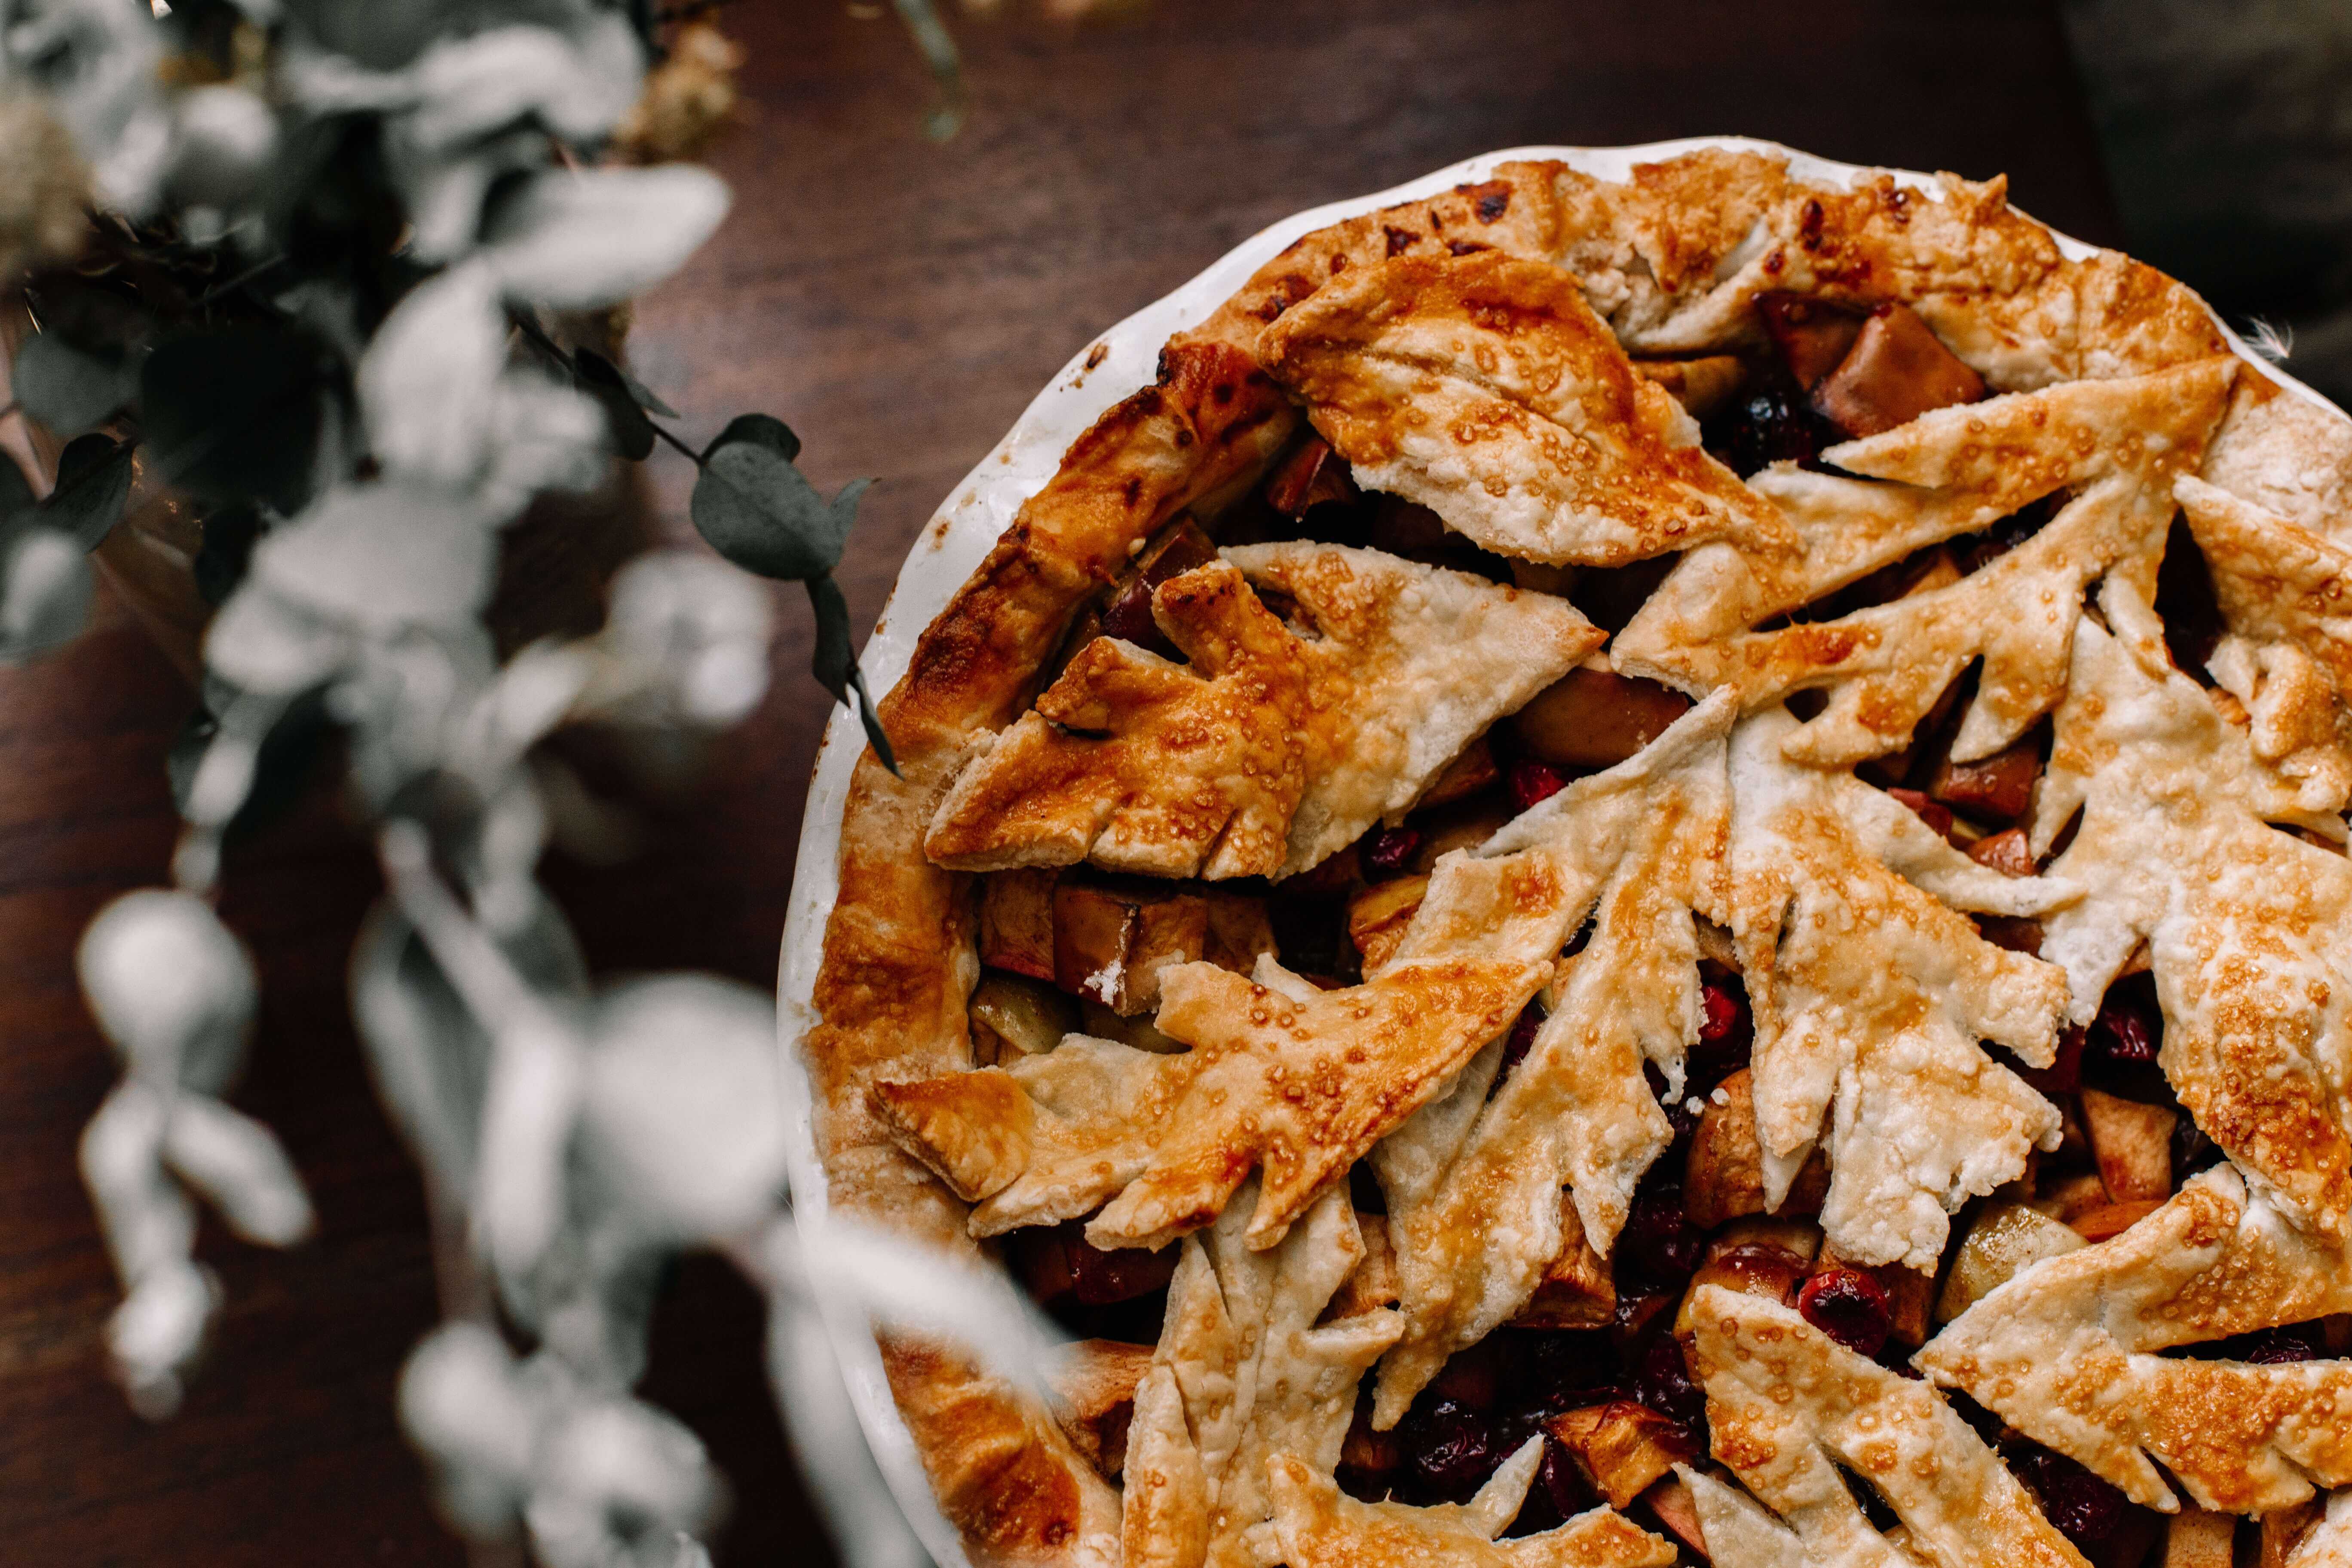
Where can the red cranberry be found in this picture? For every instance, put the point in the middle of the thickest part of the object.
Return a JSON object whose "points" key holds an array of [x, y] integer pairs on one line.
{"points": [[1659, 1243], [1532, 782], [1563, 1483], [1457, 1451], [2085, 1509], [1662, 1379], [2123, 1033], [2064, 1073], [2278, 1347], [1522, 1037], [2191, 1150], [1721, 1013], [1558, 1370], [1850, 1307], [1725, 1032], [1388, 850], [1773, 426]]}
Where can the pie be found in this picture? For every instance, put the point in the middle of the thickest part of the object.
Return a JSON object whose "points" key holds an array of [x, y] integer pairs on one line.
{"points": [[1642, 871]]}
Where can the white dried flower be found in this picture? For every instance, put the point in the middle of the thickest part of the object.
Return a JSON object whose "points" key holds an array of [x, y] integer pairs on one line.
{"points": [[682, 1108], [171, 986], [45, 600], [225, 141], [702, 625]]}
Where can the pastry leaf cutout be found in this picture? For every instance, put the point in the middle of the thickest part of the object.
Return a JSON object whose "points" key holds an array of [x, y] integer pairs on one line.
{"points": [[1473, 1183], [1317, 1526], [1279, 1075], [1871, 992], [2123, 443], [1274, 747], [2286, 595], [2067, 1352], [1484, 387], [2245, 925], [1792, 1414], [1243, 1373]]}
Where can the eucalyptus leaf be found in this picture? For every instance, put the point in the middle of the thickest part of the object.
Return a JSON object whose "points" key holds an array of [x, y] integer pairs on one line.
{"points": [[766, 429], [835, 663], [233, 415], [646, 398], [93, 485], [16, 499], [577, 241], [761, 512], [633, 433], [69, 388]]}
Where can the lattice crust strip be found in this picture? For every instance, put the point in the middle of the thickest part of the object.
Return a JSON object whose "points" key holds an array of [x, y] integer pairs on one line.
{"points": [[1871, 994], [1884, 667], [2245, 925], [1473, 1185], [2286, 595], [1793, 1413], [1484, 387], [1276, 745], [2067, 1353]]}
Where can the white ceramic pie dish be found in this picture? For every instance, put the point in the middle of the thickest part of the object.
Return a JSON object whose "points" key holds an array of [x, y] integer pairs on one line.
{"points": [[955, 541]]}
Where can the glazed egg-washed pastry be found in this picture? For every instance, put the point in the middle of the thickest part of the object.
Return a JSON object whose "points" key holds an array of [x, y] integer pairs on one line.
{"points": [[1641, 872]]}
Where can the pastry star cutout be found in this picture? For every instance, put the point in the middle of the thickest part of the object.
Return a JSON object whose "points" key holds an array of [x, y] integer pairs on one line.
{"points": [[1870, 994], [2286, 594], [1280, 1074], [1243, 1373], [2246, 926], [2117, 445], [1793, 1413], [1484, 387], [1318, 1526], [2067, 1353], [1273, 748], [1473, 1183]]}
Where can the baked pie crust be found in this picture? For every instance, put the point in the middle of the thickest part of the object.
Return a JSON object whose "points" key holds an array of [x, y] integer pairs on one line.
{"points": [[1643, 926]]}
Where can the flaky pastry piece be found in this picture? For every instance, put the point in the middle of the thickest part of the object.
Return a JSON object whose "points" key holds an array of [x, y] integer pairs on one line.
{"points": [[2066, 1352], [1484, 387], [2118, 446], [2328, 1543], [1473, 1183], [1242, 1373], [1792, 1413], [2245, 925], [1871, 992], [1737, 1529], [1274, 746], [1318, 1526], [2286, 595], [1278, 1073]]}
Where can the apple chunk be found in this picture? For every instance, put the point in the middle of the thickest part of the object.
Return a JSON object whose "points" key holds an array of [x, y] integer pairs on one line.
{"points": [[1896, 371], [1621, 1447], [1596, 719], [2133, 1144]]}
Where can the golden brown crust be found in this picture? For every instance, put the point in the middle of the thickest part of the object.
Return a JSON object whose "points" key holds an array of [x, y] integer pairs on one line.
{"points": [[1484, 387], [898, 960], [1672, 260]]}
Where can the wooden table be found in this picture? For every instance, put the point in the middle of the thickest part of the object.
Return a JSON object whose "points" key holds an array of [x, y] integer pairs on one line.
{"points": [[897, 301]]}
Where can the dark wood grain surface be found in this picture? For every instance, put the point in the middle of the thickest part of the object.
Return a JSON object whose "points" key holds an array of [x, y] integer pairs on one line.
{"points": [[897, 301]]}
